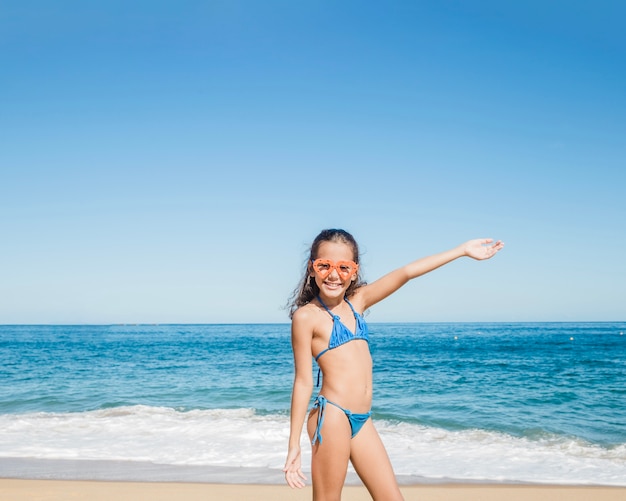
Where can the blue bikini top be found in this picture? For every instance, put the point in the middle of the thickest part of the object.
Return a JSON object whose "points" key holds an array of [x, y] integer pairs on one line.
{"points": [[340, 333]]}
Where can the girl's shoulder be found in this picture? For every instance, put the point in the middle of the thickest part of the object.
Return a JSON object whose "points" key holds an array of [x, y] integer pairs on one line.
{"points": [[306, 321], [312, 316], [305, 313]]}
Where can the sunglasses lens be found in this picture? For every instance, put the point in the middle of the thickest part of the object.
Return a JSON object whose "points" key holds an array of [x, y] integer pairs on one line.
{"points": [[322, 267], [345, 269]]}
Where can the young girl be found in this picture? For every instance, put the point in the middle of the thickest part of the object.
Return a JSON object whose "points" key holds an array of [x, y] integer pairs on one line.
{"points": [[328, 325]]}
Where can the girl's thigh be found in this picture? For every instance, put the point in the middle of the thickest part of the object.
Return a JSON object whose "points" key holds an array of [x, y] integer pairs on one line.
{"points": [[372, 464], [329, 460]]}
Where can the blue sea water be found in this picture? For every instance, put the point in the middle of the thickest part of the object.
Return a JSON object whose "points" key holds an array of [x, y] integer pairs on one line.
{"points": [[495, 402]]}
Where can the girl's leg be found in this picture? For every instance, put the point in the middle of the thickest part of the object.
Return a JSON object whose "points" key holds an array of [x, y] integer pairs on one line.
{"points": [[371, 462], [329, 460]]}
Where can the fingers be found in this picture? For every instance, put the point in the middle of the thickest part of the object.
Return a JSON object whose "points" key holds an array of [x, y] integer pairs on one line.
{"points": [[486, 241], [483, 248], [491, 250], [295, 478], [293, 471]]}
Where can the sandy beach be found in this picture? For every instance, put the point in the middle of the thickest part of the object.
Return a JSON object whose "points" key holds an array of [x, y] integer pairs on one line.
{"points": [[69, 490]]}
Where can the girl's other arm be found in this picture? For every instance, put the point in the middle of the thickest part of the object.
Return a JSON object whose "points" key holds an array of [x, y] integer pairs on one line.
{"points": [[301, 336], [481, 248]]}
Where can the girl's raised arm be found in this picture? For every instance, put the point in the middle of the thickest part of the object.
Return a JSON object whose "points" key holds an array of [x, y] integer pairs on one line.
{"points": [[480, 248]]}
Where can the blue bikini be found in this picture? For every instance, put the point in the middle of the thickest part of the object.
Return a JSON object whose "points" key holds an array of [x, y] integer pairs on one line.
{"points": [[340, 335]]}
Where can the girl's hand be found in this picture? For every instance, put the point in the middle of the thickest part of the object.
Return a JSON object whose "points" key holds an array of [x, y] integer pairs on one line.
{"points": [[293, 469], [480, 248]]}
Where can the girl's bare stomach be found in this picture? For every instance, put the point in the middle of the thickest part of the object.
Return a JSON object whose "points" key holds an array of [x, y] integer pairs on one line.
{"points": [[347, 376]]}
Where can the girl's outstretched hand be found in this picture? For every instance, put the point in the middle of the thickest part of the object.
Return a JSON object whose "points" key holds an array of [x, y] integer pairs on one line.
{"points": [[293, 469], [481, 248]]}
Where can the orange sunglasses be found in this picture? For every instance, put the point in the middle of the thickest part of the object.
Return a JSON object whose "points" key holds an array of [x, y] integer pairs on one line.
{"points": [[324, 267]]}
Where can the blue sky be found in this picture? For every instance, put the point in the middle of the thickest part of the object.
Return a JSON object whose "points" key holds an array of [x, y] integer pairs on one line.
{"points": [[169, 162]]}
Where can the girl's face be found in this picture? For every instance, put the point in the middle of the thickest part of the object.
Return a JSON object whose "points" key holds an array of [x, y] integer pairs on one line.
{"points": [[335, 270]]}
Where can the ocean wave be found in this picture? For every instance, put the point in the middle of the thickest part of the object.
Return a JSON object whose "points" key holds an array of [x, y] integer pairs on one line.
{"points": [[245, 438]]}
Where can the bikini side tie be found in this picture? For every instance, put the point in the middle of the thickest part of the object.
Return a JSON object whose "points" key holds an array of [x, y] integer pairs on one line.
{"points": [[320, 403]]}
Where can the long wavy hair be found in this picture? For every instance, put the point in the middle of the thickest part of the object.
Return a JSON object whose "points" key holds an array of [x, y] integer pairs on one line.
{"points": [[308, 289]]}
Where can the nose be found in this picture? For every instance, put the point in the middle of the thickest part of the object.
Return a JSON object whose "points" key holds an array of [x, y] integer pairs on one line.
{"points": [[334, 273]]}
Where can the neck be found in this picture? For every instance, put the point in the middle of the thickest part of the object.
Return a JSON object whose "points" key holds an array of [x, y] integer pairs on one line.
{"points": [[330, 302]]}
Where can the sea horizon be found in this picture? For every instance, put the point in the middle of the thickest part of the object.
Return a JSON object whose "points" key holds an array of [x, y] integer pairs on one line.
{"points": [[287, 322]]}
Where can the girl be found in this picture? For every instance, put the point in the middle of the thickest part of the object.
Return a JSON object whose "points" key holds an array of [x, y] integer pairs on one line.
{"points": [[327, 324]]}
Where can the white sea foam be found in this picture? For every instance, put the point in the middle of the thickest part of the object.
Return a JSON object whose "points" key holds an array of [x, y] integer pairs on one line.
{"points": [[480, 455], [241, 438]]}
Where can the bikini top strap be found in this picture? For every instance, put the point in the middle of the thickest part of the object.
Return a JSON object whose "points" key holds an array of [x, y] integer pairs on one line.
{"points": [[351, 307], [326, 307]]}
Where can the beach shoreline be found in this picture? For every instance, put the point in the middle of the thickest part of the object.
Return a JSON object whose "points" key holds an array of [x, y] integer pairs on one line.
{"points": [[25, 479], [89, 470], [64, 490]]}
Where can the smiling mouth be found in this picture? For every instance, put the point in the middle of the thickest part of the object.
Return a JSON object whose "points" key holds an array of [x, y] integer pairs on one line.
{"points": [[333, 284]]}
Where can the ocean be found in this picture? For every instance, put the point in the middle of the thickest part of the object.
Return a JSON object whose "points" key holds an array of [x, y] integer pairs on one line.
{"points": [[453, 402]]}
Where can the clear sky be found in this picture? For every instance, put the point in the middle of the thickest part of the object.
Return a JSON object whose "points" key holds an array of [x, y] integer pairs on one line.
{"points": [[170, 162]]}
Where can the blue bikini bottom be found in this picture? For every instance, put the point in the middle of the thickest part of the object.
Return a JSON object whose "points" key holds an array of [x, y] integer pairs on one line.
{"points": [[356, 420]]}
